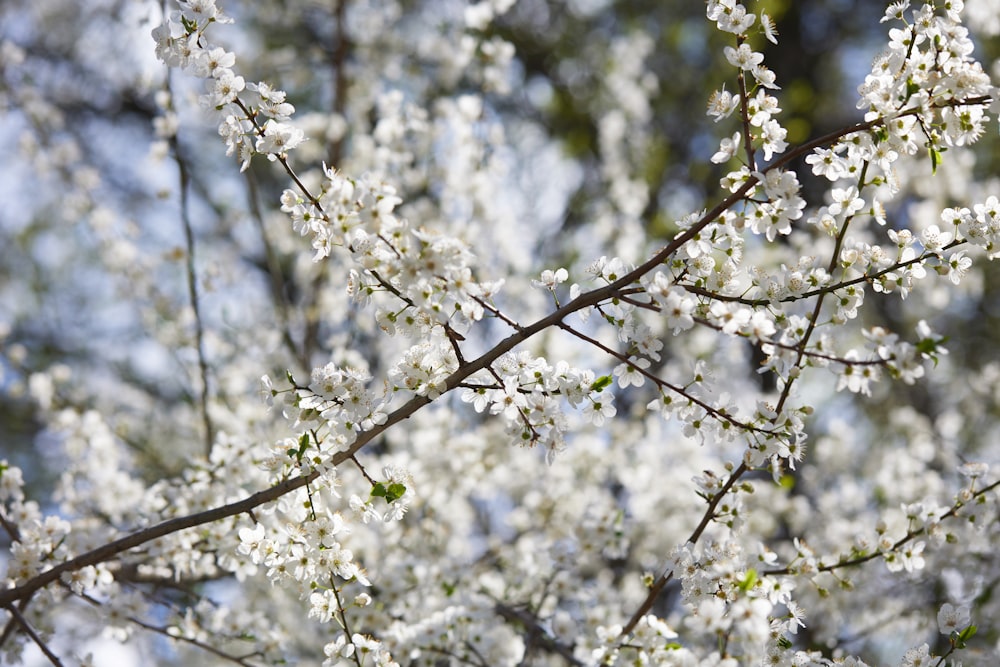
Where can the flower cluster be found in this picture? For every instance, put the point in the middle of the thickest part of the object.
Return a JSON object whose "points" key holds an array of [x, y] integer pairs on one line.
{"points": [[528, 394], [928, 65], [260, 126], [308, 556], [336, 406], [431, 274], [980, 227]]}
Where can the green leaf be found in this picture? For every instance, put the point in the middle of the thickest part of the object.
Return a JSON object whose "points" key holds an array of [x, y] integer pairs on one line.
{"points": [[749, 580], [394, 492], [935, 158], [961, 638], [601, 383], [391, 493], [297, 454], [929, 346]]}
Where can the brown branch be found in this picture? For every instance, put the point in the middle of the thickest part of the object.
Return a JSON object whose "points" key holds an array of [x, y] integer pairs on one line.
{"points": [[745, 114], [9, 526]]}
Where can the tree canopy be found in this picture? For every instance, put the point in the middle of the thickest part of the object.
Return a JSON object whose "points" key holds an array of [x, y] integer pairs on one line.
{"points": [[433, 332]]}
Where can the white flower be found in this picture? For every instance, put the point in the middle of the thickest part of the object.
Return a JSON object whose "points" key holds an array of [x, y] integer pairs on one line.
{"points": [[971, 469], [952, 619], [630, 373], [934, 239], [825, 162], [957, 266], [224, 88], [214, 62], [770, 31], [549, 278], [677, 306], [201, 11], [279, 138], [846, 201], [11, 482], [340, 648], [773, 135], [743, 57], [722, 104], [727, 149], [252, 542], [599, 409]]}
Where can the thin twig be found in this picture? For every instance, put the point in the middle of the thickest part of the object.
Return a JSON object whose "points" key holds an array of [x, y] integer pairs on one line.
{"points": [[30, 631], [858, 560], [184, 180]]}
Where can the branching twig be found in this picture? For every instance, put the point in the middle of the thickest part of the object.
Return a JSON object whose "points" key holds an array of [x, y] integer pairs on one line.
{"points": [[537, 634], [858, 560], [664, 579], [30, 631]]}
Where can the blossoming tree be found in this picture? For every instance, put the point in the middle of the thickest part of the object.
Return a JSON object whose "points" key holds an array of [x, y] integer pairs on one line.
{"points": [[528, 396]]}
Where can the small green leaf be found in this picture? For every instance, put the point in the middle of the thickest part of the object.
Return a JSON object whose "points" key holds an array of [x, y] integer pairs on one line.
{"points": [[297, 454], [391, 493], [601, 383], [394, 492], [935, 158], [961, 638], [749, 580], [929, 346]]}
